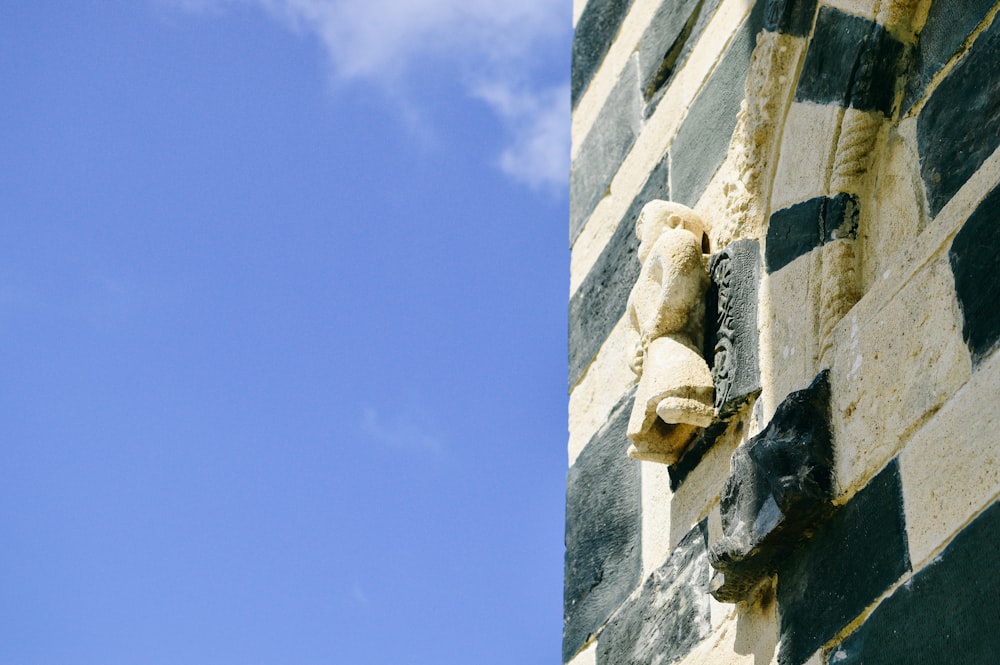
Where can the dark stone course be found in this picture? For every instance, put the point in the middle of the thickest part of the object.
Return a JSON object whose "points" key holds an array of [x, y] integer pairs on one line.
{"points": [[959, 127], [780, 488], [793, 232], [839, 218], [849, 562], [732, 335], [800, 228], [595, 32], [604, 148], [851, 61], [603, 549], [702, 141], [671, 613], [975, 262], [668, 40], [949, 23], [790, 17], [945, 613], [600, 300]]}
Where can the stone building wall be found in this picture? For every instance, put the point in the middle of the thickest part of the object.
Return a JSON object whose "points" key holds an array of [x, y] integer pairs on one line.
{"points": [[842, 506]]}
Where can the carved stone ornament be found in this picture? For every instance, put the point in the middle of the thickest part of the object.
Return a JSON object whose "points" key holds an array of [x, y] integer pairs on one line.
{"points": [[779, 489], [735, 275], [666, 314]]}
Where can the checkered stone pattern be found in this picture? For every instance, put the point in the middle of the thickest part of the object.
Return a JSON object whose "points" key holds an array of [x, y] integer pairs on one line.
{"points": [[850, 149]]}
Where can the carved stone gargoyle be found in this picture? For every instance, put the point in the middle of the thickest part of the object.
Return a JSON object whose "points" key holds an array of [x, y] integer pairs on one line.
{"points": [[780, 488], [666, 319]]}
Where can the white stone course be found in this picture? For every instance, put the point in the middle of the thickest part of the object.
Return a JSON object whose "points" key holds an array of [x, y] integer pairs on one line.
{"points": [[586, 657], [806, 156], [895, 215], [656, 541], [892, 369], [787, 316], [603, 384], [864, 8], [747, 637], [950, 470], [578, 7]]}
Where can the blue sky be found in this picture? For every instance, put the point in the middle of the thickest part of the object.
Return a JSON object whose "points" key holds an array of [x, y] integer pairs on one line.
{"points": [[282, 327]]}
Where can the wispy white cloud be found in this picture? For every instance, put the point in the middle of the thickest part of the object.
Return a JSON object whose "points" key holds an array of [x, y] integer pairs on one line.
{"points": [[489, 45], [538, 119], [373, 38], [400, 432]]}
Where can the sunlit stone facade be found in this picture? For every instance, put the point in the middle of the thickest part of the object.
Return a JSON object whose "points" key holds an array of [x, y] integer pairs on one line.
{"points": [[839, 502]]}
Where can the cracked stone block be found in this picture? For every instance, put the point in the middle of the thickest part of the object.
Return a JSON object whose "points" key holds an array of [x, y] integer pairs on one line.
{"points": [[670, 614], [851, 61], [603, 529], [668, 40], [790, 17], [780, 488]]}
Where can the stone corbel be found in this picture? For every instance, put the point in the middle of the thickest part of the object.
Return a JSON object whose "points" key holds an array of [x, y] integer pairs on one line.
{"points": [[666, 316], [779, 490]]}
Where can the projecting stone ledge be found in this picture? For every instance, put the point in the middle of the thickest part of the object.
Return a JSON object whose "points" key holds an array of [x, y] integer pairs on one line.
{"points": [[780, 488]]}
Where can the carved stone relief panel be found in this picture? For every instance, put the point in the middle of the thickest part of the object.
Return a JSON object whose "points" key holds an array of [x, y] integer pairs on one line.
{"points": [[735, 274]]}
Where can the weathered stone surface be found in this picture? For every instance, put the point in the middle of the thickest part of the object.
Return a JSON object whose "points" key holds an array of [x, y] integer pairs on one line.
{"points": [[666, 321], [603, 549], [695, 453], [949, 23], [788, 332], [600, 300], [747, 637], [803, 168], [664, 46], [703, 139], [800, 228], [950, 468], [671, 613], [947, 613], [975, 262], [954, 145], [595, 395], [780, 488], [594, 34], [849, 562], [899, 357], [791, 17], [604, 148], [731, 343], [851, 61]]}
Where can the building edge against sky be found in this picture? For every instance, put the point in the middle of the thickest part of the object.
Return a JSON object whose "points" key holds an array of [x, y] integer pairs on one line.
{"points": [[841, 504]]}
